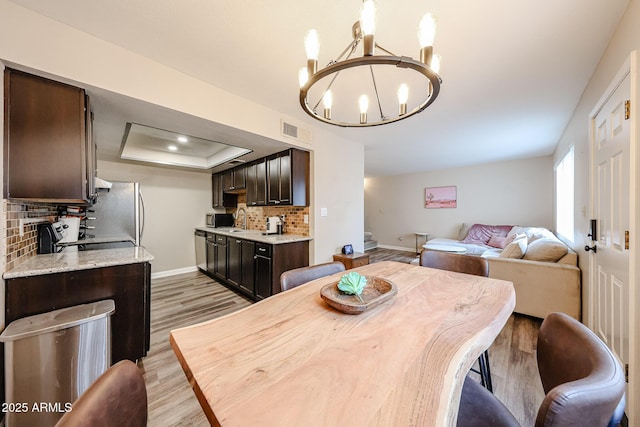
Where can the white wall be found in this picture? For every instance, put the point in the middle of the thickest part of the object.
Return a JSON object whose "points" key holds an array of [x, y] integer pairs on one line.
{"points": [[513, 193], [39, 43]]}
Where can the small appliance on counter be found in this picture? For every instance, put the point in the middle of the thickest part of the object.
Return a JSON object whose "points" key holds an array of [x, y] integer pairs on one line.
{"points": [[48, 235], [217, 220], [274, 225], [71, 229]]}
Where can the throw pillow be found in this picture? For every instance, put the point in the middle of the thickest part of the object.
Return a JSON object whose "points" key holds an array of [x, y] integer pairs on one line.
{"points": [[479, 234], [516, 249], [500, 242], [464, 230], [546, 250]]}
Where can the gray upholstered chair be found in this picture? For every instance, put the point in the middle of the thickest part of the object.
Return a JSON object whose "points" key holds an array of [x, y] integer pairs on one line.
{"points": [[298, 276], [117, 398], [582, 379], [475, 265]]}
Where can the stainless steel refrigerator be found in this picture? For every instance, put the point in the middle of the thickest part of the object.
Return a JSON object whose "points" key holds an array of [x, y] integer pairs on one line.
{"points": [[118, 213]]}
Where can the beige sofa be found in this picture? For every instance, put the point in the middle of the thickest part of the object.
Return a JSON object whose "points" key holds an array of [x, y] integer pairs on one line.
{"points": [[545, 275]]}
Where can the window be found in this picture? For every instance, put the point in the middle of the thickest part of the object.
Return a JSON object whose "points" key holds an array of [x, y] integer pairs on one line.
{"points": [[564, 196]]}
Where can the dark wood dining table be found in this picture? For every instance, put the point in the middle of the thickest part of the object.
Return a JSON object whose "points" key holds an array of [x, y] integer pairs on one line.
{"points": [[292, 360]]}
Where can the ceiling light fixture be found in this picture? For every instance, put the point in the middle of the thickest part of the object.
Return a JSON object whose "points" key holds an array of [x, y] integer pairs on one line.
{"points": [[172, 148], [359, 76], [183, 139]]}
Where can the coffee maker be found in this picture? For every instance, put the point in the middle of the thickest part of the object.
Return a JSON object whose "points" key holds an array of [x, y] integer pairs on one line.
{"points": [[48, 235]]}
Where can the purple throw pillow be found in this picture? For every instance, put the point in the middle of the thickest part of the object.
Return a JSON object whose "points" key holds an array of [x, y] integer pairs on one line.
{"points": [[480, 234]]}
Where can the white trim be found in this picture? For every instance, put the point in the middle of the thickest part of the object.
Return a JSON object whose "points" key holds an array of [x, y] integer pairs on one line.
{"points": [[398, 248], [167, 273]]}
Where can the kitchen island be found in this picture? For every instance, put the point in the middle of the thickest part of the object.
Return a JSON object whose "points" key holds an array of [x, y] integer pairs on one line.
{"points": [[250, 262], [52, 281]]}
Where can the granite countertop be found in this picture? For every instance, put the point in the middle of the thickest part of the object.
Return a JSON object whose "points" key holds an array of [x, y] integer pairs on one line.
{"points": [[256, 235], [78, 260]]}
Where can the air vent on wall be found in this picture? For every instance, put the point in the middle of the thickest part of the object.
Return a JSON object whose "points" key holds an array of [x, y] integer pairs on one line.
{"points": [[293, 131]]}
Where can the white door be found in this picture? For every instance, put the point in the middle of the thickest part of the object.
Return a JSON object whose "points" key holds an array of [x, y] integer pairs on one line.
{"points": [[609, 285]]}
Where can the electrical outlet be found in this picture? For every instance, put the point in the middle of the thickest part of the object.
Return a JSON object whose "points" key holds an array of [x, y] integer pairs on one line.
{"points": [[323, 212], [306, 219]]}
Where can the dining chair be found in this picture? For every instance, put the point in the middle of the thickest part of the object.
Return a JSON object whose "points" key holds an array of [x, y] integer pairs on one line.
{"points": [[117, 398], [296, 277], [583, 382], [475, 265]]}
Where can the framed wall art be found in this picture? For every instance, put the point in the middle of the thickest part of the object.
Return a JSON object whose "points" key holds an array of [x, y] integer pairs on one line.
{"points": [[440, 197]]}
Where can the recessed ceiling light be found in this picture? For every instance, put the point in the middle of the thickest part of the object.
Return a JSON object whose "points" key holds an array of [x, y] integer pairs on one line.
{"points": [[172, 148], [183, 139]]}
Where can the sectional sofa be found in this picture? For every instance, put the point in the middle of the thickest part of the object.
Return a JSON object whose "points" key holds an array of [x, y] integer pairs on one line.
{"points": [[544, 270]]}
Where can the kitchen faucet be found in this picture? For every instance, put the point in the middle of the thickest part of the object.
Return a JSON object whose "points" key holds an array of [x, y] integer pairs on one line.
{"points": [[244, 217]]}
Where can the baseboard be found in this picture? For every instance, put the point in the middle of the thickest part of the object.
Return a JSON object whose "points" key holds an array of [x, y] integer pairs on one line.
{"points": [[398, 248], [177, 271]]}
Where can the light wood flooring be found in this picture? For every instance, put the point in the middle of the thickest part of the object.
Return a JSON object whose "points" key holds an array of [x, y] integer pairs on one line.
{"points": [[193, 297]]}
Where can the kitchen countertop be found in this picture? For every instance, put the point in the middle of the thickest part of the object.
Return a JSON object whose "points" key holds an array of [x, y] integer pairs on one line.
{"points": [[78, 260], [256, 235]]}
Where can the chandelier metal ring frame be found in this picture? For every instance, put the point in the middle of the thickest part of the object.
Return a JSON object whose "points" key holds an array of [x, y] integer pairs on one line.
{"points": [[398, 61]]}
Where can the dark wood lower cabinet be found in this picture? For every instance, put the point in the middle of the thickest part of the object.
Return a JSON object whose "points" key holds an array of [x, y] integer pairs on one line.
{"points": [[129, 286], [253, 268]]}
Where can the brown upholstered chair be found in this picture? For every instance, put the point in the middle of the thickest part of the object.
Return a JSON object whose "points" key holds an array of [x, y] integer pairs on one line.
{"points": [[298, 276], [117, 398], [582, 379], [475, 265]]}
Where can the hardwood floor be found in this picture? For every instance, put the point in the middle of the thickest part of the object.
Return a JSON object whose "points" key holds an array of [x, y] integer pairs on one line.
{"points": [[193, 297]]}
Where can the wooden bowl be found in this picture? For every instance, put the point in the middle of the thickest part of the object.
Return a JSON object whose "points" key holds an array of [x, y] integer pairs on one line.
{"points": [[377, 291]]}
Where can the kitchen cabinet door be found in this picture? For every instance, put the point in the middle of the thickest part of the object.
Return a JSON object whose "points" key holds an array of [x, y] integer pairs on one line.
{"points": [[220, 199], [220, 264], [239, 178], [256, 183], [48, 155], [288, 178], [234, 265], [263, 276], [247, 267]]}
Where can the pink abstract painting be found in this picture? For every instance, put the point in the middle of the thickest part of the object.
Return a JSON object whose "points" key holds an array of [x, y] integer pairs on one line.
{"points": [[440, 197]]}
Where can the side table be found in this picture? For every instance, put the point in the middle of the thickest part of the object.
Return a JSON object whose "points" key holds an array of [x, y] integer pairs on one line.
{"points": [[418, 234], [356, 259]]}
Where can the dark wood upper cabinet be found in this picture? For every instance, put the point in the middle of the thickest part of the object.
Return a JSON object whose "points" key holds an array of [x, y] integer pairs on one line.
{"points": [[219, 198], [256, 176], [234, 179], [288, 178], [48, 150], [279, 179]]}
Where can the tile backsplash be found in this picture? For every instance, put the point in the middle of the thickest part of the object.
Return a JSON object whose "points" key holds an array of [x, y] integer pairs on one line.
{"points": [[21, 247], [256, 216]]}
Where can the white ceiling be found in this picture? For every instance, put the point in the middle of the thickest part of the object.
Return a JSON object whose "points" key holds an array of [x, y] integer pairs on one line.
{"points": [[512, 71]]}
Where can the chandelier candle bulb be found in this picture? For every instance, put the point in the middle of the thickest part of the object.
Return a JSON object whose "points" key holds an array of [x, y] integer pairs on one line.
{"points": [[312, 48], [403, 97], [368, 26], [363, 102], [427, 30], [327, 100], [303, 76]]}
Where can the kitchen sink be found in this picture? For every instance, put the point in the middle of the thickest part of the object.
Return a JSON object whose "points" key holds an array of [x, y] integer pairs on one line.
{"points": [[237, 230]]}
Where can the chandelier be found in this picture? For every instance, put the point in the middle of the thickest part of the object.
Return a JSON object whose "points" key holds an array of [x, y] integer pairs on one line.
{"points": [[371, 75]]}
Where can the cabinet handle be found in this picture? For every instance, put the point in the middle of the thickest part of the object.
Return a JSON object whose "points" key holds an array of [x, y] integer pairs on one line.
{"points": [[262, 249]]}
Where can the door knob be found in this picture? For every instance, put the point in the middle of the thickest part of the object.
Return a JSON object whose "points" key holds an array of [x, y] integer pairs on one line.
{"points": [[593, 248]]}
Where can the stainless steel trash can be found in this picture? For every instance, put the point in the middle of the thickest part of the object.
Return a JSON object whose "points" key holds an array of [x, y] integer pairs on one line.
{"points": [[52, 358]]}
